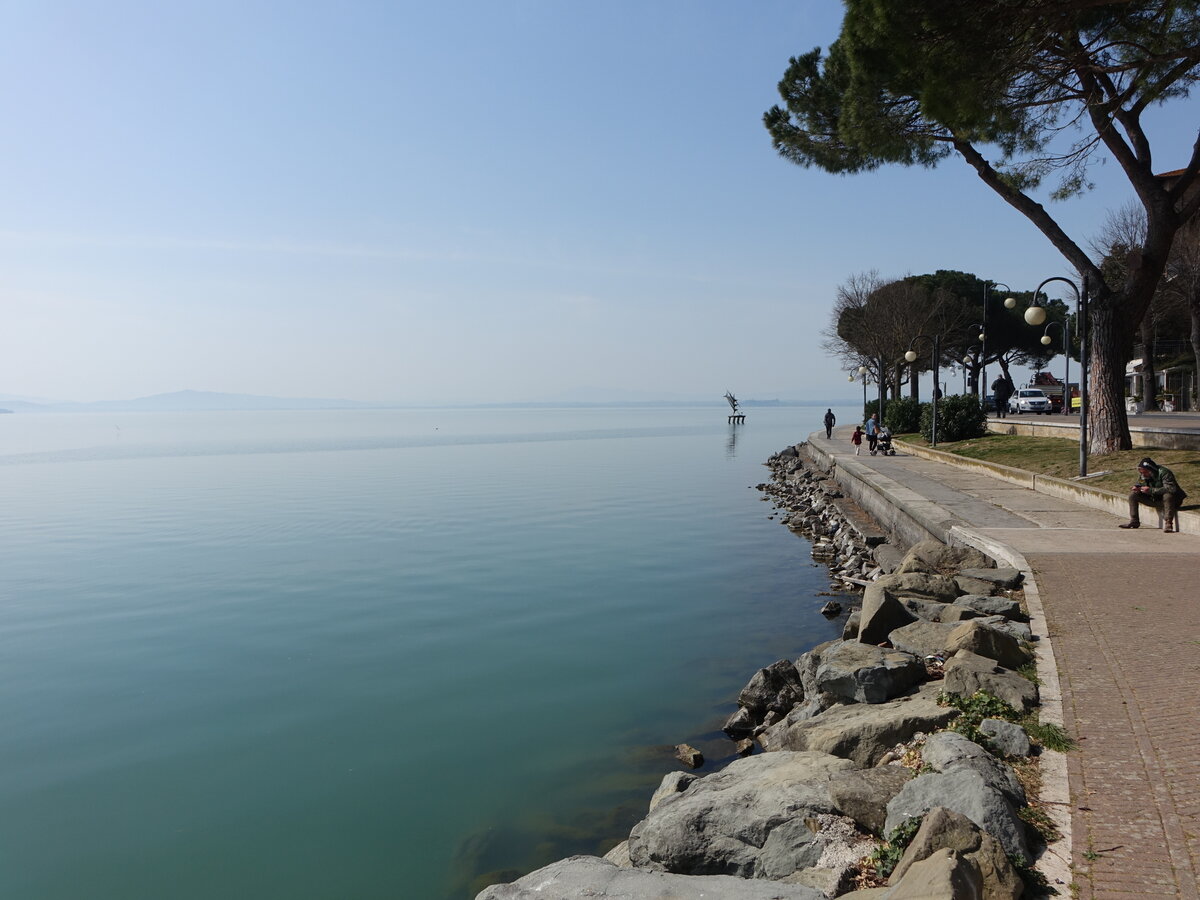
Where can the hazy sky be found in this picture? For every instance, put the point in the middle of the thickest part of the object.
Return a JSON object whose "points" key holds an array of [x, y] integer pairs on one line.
{"points": [[465, 201]]}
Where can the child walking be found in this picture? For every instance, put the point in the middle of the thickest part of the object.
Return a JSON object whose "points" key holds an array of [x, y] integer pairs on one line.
{"points": [[856, 440]]}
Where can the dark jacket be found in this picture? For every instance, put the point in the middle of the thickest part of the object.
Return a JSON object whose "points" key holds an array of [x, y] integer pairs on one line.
{"points": [[1162, 482]]}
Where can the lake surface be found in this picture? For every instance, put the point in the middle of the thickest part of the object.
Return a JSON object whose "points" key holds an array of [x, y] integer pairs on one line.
{"points": [[371, 653]]}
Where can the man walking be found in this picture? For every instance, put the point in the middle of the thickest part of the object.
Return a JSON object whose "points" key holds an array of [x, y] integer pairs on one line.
{"points": [[1156, 487], [1002, 389], [830, 421], [872, 433]]}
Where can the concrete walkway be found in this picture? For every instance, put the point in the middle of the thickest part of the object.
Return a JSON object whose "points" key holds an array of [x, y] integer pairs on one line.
{"points": [[1119, 658]]}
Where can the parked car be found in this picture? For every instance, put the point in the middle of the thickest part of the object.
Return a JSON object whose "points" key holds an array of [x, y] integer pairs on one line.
{"points": [[989, 403], [1029, 400]]}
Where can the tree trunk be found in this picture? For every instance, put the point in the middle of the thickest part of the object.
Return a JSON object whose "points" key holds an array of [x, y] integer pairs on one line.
{"points": [[1149, 377], [1194, 310], [1108, 426], [913, 387]]}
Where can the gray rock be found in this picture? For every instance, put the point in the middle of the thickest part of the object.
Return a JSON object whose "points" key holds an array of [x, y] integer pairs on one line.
{"points": [[925, 610], [923, 639], [992, 606], [952, 612], [776, 687], [1018, 631], [990, 642], [619, 855], [881, 614], [968, 793], [1006, 738], [721, 824], [947, 751], [863, 794], [943, 875], [934, 556], [589, 876], [740, 724], [689, 756], [861, 673], [966, 673], [967, 585], [943, 829], [672, 783], [861, 732], [923, 585], [888, 557], [850, 631], [1005, 579]]}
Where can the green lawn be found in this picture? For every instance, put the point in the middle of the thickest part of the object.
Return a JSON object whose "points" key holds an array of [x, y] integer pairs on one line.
{"points": [[1060, 457]]}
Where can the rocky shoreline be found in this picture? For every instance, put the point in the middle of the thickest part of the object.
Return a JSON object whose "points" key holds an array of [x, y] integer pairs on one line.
{"points": [[888, 763]]}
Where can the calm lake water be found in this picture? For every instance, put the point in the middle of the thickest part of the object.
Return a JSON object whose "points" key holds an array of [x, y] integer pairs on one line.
{"points": [[371, 653]]}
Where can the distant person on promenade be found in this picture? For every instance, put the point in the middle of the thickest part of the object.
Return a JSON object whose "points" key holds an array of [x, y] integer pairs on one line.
{"points": [[856, 440], [830, 421], [872, 433], [1002, 389], [1157, 487]]}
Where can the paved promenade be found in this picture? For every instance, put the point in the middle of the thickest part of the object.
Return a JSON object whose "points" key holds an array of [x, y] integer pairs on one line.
{"points": [[1121, 664]]}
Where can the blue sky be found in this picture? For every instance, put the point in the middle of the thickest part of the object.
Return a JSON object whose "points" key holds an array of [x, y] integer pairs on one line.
{"points": [[470, 201]]}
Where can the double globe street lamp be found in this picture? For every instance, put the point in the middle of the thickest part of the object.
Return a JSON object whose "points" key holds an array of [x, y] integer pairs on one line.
{"points": [[911, 356]]}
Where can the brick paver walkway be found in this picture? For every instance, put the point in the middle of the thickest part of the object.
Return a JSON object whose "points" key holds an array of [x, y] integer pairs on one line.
{"points": [[1121, 614]]}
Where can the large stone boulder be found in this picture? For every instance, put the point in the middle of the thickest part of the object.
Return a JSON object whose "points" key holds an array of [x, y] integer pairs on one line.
{"points": [[589, 876], [672, 783], [934, 556], [1018, 631], [923, 639], [969, 781], [966, 792], [880, 615], [967, 672], [923, 585], [943, 874], [863, 794], [1006, 739], [746, 820], [1006, 579], [992, 606], [944, 829], [860, 673], [861, 732], [990, 642], [948, 751], [775, 688]]}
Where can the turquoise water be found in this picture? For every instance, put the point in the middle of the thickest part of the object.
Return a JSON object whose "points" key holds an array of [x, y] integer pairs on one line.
{"points": [[371, 653]]}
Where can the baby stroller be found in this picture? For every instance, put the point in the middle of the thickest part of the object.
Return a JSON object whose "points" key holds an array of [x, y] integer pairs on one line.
{"points": [[884, 444]]}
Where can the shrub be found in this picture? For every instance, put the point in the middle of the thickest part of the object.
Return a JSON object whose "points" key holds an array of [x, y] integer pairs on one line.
{"points": [[960, 418], [903, 416]]}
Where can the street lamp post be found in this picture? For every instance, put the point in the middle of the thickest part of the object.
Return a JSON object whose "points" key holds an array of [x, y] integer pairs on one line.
{"points": [[911, 356], [1081, 324]]}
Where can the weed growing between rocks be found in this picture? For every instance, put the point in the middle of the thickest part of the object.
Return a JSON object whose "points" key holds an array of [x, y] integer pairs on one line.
{"points": [[888, 855], [974, 709]]}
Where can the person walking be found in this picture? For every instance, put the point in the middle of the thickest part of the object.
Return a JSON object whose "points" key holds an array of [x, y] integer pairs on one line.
{"points": [[856, 440], [1156, 487], [872, 433], [830, 421], [1002, 389]]}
